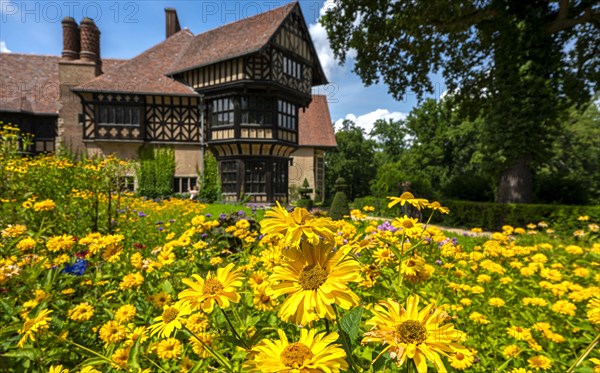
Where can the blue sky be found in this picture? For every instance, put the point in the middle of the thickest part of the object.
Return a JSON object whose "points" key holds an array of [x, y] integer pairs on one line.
{"points": [[130, 27]]}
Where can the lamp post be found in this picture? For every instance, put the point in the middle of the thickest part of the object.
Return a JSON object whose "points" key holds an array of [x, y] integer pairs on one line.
{"points": [[202, 107]]}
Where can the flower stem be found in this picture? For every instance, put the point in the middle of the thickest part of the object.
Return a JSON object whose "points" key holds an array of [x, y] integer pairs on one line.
{"points": [[584, 354], [84, 348], [237, 336], [215, 354]]}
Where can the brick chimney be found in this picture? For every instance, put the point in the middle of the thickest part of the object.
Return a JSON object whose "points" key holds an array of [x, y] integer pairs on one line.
{"points": [[90, 41], [70, 39], [172, 21]]}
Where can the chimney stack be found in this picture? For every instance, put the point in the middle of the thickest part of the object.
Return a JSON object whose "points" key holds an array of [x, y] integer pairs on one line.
{"points": [[172, 22], [90, 41], [70, 39]]}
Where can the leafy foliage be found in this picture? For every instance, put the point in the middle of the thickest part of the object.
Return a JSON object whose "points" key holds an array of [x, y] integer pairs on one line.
{"points": [[517, 65], [353, 159], [210, 189], [156, 171]]}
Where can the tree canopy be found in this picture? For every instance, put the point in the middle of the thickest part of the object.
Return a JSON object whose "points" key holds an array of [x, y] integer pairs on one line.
{"points": [[518, 65]]}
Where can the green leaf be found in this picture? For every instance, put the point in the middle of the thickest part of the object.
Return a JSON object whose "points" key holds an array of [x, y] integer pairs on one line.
{"points": [[167, 287], [196, 368], [133, 361], [93, 361], [19, 354], [350, 323]]}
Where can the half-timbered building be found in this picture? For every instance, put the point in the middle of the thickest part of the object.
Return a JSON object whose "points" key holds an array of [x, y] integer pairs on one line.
{"points": [[238, 91]]}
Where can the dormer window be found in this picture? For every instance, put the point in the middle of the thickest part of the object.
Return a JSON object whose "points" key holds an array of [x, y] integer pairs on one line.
{"points": [[292, 68]]}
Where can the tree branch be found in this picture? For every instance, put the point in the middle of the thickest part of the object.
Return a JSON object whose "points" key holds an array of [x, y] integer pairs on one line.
{"points": [[562, 22], [467, 20]]}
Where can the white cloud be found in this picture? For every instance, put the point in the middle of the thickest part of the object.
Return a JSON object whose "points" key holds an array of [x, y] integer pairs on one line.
{"points": [[366, 121], [319, 36], [3, 48]]}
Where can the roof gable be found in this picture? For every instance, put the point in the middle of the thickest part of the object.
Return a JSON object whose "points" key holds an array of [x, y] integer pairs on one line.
{"points": [[295, 21], [30, 82], [146, 72], [314, 124], [232, 40]]}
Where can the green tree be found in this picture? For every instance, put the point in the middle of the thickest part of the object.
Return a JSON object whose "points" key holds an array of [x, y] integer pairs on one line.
{"points": [[517, 64], [571, 175], [210, 187], [390, 137], [353, 159], [155, 171]]}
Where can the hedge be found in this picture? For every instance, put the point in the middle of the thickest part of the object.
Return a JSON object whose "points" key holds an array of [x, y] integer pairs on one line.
{"points": [[492, 216]]}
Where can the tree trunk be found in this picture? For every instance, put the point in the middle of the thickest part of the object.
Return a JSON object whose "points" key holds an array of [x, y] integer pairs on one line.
{"points": [[516, 183]]}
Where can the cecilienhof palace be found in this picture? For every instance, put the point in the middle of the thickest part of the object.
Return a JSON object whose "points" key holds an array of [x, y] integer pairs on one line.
{"points": [[241, 91]]}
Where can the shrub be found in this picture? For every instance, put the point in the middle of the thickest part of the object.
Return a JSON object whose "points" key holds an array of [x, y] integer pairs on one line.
{"points": [[339, 206], [492, 216]]}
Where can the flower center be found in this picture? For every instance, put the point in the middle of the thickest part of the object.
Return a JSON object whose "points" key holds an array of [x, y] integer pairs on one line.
{"points": [[28, 325], [294, 355], [170, 314], [407, 224], [265, 298], [459, 356], [212, 286], [312, 276], [411, 331], [304, 216]]}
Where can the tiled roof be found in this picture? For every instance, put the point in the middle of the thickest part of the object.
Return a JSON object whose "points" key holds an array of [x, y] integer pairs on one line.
{"points": [[314, 124], [145, 73], [29, 82], [232, 40]]}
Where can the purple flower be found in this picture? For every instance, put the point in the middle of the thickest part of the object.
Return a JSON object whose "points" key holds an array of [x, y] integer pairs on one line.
{"points": [[222, 216], [161, 229], [172, 221], [208, 215], [141, 214], [240, 213], [204, 235], [439, 262], [159, 223]]}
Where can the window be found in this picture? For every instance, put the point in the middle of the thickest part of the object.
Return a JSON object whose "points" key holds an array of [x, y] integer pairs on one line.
{"points": [[319, 177], [184, 184], [292, 68], [222, 112], [122, 115], [287, 115], [280, 177], [256, 110], [255, 177], [229, 177]]}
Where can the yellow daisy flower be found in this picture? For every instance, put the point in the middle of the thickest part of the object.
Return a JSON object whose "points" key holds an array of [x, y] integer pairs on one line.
{"points": [[220, 288], [33, 326], [410, 334], [81, 312], [293, 226], [593, 313], [57, 369], [312, 353], [171, 319], [125, 313], [539, 362], [461, 361], [314, 283], [169, 348], [408, 197], [262, 300]]}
